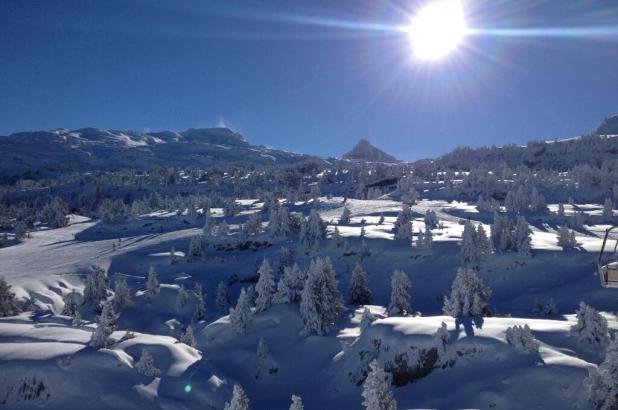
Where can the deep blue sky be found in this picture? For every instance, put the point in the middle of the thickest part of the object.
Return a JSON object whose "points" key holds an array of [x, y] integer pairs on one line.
{"points": [[273, 72]]}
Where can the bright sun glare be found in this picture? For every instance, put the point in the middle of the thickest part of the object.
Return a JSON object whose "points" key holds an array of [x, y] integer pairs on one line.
{"points": [[437, 29]]}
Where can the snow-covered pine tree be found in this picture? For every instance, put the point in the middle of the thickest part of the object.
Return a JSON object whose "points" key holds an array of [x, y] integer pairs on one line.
{"points": [[106, 324], [8, 305], [470, 253], [97, 285], [537, 201], [290, 285], [145, 366], [264, 287], [522, 339], [183, 296], [344, 219], [431, 219], [376, 389], [566, 238], [337, 238], [121, 297], [321, 303], [602, 382], [200, 304], [441, 339], [153, 287], [482, 242], [273, 223], [241, 316], [561, 210], [70, 303], [469, 296], [173, 256], [400, 294], [196, 248], [297, 403], [591, 326], [522, 237], [284, 222], [222, 300], [403, 224], [239, 401], [188, 337], [360, 294], [265, 362], [608, 209], [209, 224], [366, 319]]}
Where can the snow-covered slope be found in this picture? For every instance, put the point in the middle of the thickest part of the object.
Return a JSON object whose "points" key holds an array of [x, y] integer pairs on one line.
{"points": [[50, 153]]}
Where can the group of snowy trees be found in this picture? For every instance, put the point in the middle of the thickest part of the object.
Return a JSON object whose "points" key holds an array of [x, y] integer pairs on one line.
{"points": [[475, 246], [8, 305], [524, 199], [403, 224], [469, 296], [240, 400], [508, 236]]}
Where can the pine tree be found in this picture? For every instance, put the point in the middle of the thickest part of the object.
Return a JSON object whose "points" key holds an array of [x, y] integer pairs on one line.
{"points": [[264, 287], [441, 339], [360, 294], [522, 339], [70, 303], [591, 326], [345, 216], [366, 319], [105, 327], [239, 401], [561, 210], [200, 304], [222, 299], [376, 392], [188, 337], [320, 304], [265, 362], [173, 257], [602, 382], [566, 238], [209, 224], [241, 316], [470, 255], [522, 236], [153, 287], [400, 294], [121, 297], [183, 296], [469, 296], [8, 306], [297, 403], [608, 210], [97, 285], [145, 366], [403, 224], [284, 222], [337, 238], [196, 248], [290, 285], [431, 219]]}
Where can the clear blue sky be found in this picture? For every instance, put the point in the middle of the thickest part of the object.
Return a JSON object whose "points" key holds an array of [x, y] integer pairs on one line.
{"points": [[310, 76]]}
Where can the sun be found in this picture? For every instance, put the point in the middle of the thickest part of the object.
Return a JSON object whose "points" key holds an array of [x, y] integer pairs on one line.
{"points": [[437, 29]]}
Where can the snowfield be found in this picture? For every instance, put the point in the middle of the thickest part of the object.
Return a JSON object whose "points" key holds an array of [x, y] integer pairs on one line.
{"points": [[46, 359]]}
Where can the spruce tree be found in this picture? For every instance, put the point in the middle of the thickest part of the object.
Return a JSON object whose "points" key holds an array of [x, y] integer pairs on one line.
{"points": [[145, 366], [360, 294], [239, 401], [376, 391], [264, 287], [320, 304], [400, 294], [241, 316], [8, 305], [222, 299]]}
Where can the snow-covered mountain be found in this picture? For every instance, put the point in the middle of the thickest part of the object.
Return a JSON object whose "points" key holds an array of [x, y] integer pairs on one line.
{"points": [[48, 153], [364, 151], [609, 126]]}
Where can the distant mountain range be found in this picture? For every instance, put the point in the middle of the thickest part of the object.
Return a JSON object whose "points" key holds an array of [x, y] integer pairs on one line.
{"points": [[364, 151], [48, 153]]}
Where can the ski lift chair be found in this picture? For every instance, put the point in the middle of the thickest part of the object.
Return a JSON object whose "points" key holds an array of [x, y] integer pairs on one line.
{"points": [[608, 272]]}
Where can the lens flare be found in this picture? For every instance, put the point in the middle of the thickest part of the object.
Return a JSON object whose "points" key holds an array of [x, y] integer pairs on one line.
{"points": [[437, 29], [188, 388]]}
